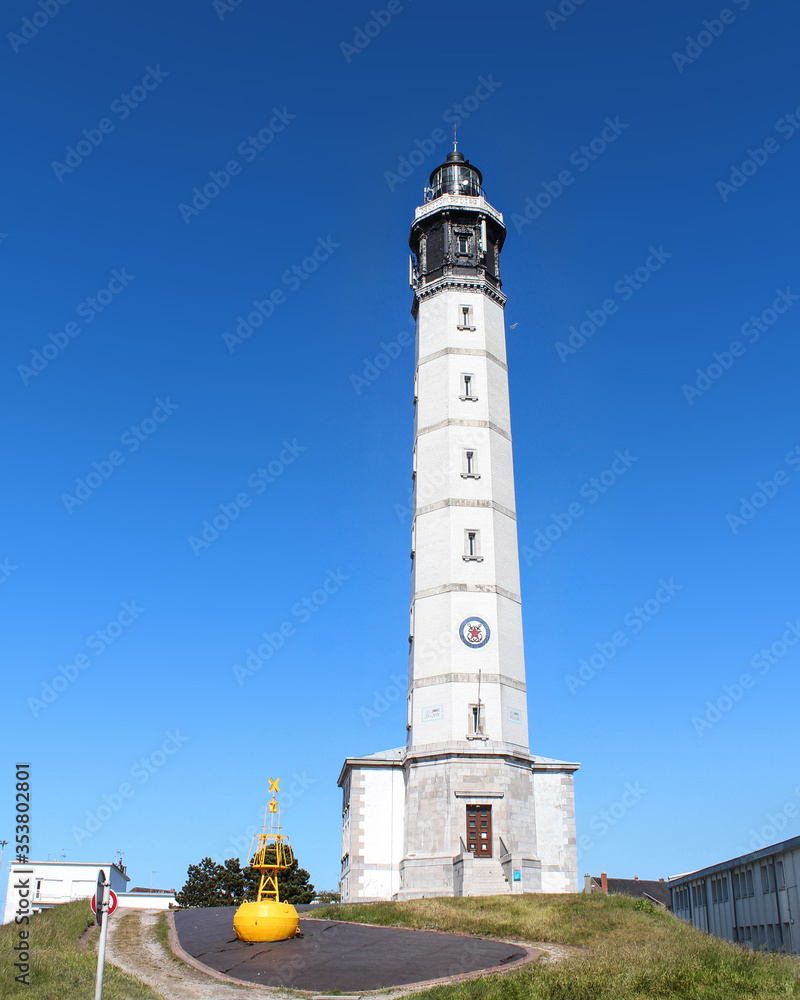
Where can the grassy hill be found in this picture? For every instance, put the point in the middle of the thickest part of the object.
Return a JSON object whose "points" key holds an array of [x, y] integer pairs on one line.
{"points": [[635, 951], [60, 968]]}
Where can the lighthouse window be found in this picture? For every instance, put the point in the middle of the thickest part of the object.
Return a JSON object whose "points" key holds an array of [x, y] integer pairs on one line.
{"points": [[476, 720], [465, 318], [470, 465], [467, 387], [472, 546]]}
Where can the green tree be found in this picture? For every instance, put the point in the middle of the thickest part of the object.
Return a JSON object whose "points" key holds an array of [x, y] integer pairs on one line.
{"points": [[294, 885], [212, 884]]}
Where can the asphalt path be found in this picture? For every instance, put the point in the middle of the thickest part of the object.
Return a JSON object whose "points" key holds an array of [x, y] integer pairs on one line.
{"points": [[334, 955]]}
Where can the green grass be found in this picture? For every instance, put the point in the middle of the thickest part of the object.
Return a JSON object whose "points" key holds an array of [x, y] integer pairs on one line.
{"points": [[60, 968], [633, 952], [162, 931]]}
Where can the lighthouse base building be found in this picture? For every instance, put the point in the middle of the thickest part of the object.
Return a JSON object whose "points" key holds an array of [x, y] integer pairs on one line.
{"points": [[463, 808]]}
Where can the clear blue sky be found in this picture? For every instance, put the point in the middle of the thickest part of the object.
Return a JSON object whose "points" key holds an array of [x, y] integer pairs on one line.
{"points": [[199, 82]]}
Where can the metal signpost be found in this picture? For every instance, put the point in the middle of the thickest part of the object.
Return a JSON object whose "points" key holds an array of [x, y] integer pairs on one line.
{"points": [[104, 902]]}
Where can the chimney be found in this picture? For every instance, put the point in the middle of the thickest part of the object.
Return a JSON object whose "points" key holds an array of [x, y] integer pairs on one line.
{"points": [[661, 880], [587, 883], [604, 881], [635, 878]]}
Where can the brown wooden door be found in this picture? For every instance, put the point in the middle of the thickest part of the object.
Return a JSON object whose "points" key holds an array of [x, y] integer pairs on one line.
{"points": [[479, 831]]}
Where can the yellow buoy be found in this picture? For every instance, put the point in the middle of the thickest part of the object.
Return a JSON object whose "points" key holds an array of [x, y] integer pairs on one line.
{"points": [[267, 918], [266, 921]]}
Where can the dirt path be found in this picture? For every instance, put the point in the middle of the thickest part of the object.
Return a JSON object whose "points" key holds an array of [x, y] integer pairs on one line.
{"points": [[134, 947]]}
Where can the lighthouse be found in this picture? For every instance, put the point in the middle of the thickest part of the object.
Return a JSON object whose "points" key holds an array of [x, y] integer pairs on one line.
{"points": [[464, 807]]}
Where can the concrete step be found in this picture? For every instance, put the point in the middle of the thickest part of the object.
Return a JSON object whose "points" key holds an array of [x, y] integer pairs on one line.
{"points": [[487, 879]]}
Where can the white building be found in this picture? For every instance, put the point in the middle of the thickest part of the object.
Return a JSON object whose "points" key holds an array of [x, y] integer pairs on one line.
{"points": [[463, 808], [45, 884]]}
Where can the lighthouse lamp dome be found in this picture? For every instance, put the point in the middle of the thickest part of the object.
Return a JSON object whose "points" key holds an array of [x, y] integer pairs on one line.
{"points": [[456, 176]]}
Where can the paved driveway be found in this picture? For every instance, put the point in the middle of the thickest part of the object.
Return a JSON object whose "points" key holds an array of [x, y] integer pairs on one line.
{"points": [[333, 955]]}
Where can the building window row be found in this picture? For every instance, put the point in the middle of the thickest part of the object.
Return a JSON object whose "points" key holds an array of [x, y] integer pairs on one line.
{"points": [[772, 877], [682, 898], [719, 890], [743, 885], [764, 937], [699, 894]]}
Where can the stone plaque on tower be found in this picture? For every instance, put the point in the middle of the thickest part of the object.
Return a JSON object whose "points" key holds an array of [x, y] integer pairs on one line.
{"points": [[463, 808]]}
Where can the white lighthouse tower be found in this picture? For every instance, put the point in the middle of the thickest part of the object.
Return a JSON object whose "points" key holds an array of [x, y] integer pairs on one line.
{"points": [[464, 808]]}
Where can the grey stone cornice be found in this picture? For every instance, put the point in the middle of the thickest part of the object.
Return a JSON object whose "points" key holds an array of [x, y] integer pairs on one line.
{"points": [[455, 502], [467, 588], [474, 352], [467, 678], [455, 422], [462, 283], [510, 753]]}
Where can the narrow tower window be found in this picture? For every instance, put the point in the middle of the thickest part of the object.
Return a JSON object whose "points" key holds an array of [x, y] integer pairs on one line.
{"points": [[467, 387], [476, 720], [470, 465], [472, 545], [463, 243], [465, 318]]}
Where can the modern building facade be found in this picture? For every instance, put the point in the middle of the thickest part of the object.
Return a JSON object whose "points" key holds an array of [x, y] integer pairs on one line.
{"points": [[751, 900], [463, 808]]}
